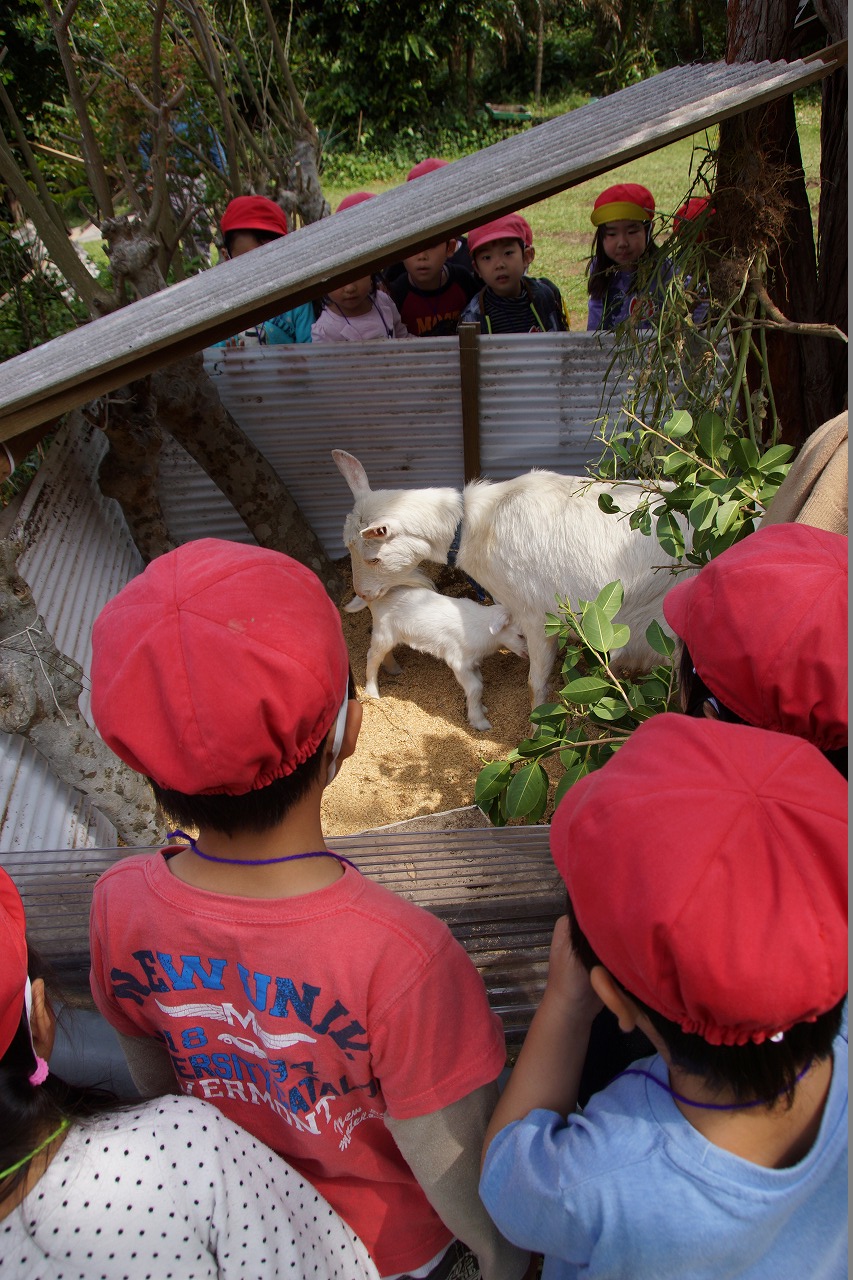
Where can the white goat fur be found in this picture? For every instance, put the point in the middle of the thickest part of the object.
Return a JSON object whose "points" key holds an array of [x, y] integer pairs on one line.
{"points": [[459, 632], [526, 540]]}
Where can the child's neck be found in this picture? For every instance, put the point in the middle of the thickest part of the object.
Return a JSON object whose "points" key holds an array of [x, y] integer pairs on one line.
{"points": [[777, 1138], [300, 831], [350, 310]]}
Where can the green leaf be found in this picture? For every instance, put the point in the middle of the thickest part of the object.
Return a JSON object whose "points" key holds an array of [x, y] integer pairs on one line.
{"points": [[609, 709], [491, 780], [495, 814], [744, 455], [569, 778], [621, 636], [703, 509], [680, 424], [607, 505], [710, 431], [726, 516], [775, 457], [675, 462], [609, 598], [547, 711], [525, 791], [585, 689], [534, 748], [669, 535], [659, 640], [553, 624], [569, 758], [597, 628], [654, 689]]}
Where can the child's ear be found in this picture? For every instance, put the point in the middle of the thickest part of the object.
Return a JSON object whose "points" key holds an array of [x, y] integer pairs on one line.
{"points": [[528, 255], [352, 729], [42, 1020], [452, 246], [611, 995]]}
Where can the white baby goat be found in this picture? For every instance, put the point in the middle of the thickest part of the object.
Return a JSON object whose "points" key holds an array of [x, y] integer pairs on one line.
{"points": [[526, 540], [458, 631]]}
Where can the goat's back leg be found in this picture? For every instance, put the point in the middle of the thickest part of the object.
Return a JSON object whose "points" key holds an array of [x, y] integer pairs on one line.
{"points": [[472, 683], [543, 651], [390, 665], [376, 654]]}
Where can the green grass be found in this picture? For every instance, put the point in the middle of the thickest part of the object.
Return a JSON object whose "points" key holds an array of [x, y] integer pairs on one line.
{"points": [[562, 231]]}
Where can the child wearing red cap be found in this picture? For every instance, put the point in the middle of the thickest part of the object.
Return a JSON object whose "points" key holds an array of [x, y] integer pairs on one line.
{"points": [[87, 1185], [247, 223], [706, 869], [360, 311], [763, 628], [510, 301], [432, 291], [623, 216], [251, 965]]}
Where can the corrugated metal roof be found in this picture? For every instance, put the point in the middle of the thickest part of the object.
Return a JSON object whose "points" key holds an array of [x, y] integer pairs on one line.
{"points": [[497, 889], [517, 171]]}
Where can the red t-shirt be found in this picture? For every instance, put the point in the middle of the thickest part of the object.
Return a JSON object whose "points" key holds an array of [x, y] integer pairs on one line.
{"points": [[304, 1019], [434, 313]]}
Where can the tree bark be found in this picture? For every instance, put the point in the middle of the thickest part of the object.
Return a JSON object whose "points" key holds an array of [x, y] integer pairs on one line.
{"points": [[39, 692], [540, 51], [762, 193], [189, 408], [832, 233]]}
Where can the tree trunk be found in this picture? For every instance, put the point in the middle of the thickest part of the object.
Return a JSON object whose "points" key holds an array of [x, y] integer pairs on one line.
{"points": [[470, 97], [540, 52], [188, 407], [129, 472], [762, 205], [832, 295], [39, 692]]}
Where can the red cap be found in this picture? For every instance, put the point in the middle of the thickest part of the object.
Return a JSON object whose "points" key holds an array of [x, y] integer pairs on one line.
{"points": [[626, 201], [511, 227], [13, 969], [766, 626], [425, 166], [707, 866], [254, 213], [219, 668], [357, 197], [691, 210]]}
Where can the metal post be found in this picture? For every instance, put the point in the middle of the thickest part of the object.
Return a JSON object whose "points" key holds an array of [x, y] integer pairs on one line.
{"points": [[469, 377]]}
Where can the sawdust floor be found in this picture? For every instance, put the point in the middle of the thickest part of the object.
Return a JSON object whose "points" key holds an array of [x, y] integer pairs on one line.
{"points": [[417, 754]]}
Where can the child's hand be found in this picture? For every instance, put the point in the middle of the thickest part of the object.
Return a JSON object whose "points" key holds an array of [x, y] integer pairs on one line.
{"points": [[568, 980]]}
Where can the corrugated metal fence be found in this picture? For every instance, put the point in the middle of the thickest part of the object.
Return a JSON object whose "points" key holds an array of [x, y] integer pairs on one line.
{"points": [[396, 405]]}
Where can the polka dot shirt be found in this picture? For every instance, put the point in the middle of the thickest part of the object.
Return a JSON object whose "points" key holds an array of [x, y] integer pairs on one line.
{"points": [[173, 1190]]}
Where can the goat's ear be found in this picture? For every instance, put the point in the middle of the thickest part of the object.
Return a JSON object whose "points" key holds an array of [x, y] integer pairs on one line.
{"points": [[500, 619], [352, 471], [354, 605], [374, 531]]}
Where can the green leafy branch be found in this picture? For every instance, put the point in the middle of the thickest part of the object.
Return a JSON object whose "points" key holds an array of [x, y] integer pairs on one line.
{"points": [[596, 711]]}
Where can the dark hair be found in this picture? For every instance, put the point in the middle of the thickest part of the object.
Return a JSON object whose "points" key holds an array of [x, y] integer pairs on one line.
{"points": [[28, 1113], [262, 237], [753, 1072], [601, 266], [695, 693], [256, 811]]}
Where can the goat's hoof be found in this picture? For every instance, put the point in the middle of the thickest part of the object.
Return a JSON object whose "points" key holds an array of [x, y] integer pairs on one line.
{"points": [[482, 725], [371, 691]]}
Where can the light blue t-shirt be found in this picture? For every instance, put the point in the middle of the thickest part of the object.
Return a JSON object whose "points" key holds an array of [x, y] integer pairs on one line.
{"points": [[289, 327], [629, 1189]]}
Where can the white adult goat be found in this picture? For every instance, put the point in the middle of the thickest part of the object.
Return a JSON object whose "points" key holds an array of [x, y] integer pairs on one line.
{"points": [[526, 540], [460, 632]]}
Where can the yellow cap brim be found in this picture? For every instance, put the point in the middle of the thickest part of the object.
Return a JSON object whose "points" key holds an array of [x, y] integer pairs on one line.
{"points": [[617, 211]]}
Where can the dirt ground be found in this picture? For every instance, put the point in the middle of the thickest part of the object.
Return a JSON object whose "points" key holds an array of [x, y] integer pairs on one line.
{"points": [[417, 754]]}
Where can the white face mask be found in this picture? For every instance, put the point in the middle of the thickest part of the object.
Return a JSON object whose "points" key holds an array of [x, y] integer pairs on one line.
{"points": [[338, 740]]}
